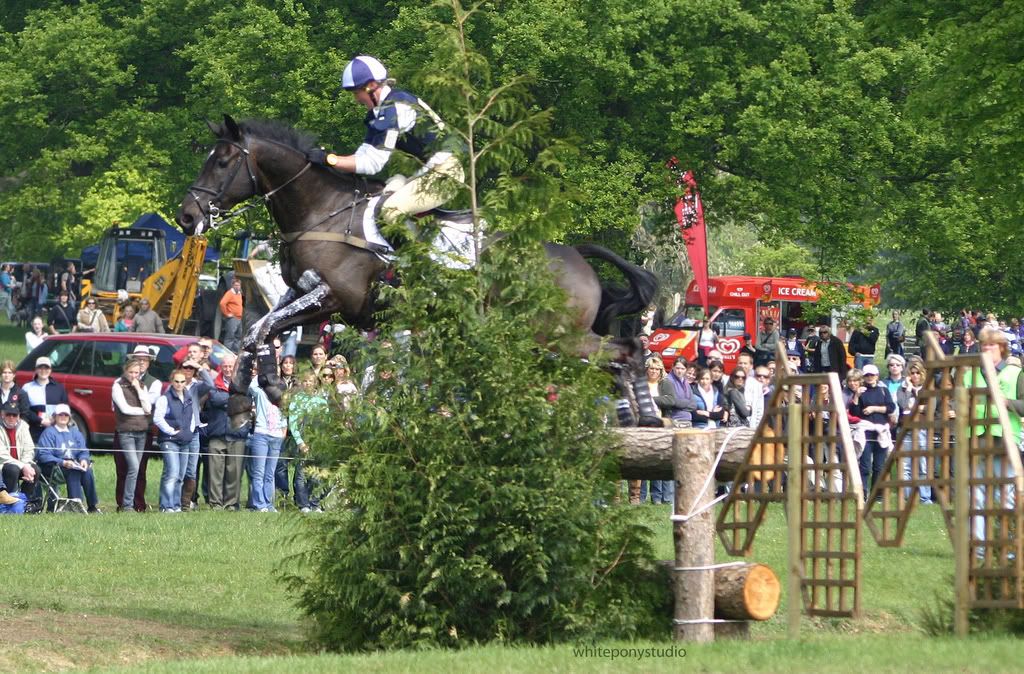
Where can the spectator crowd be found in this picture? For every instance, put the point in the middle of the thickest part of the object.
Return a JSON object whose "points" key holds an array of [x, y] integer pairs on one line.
{"points": [[700, 394], [206, 445], [207, 437]]}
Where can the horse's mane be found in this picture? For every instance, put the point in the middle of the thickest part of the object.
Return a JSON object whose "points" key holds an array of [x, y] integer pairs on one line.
{"points": [[302, 141], [280, 132]]}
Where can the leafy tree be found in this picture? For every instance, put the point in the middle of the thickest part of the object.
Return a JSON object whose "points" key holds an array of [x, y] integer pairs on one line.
{"points": [[860, 131]]}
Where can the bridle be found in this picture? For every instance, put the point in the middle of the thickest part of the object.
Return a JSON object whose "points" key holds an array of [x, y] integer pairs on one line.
{"points": [[212, 210]]}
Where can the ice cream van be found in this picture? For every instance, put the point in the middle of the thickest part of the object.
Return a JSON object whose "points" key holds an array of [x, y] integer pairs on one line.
{"points": [[738, 306]]}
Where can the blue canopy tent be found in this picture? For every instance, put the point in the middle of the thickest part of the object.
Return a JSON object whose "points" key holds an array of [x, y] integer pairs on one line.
{"points": [[172, 235]]}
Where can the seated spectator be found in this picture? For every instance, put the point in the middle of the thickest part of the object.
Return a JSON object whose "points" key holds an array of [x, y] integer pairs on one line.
{"points": [[17, 452], [62, 445]]}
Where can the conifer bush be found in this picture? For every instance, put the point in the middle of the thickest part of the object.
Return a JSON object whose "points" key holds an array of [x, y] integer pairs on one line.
{"points": [[477, 489]]}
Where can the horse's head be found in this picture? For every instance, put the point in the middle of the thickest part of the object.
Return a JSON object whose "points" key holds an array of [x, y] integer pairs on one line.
{"points": [[228, 177]]}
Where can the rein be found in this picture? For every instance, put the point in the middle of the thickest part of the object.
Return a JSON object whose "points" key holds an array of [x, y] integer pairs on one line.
{"points": [[244, 157]]}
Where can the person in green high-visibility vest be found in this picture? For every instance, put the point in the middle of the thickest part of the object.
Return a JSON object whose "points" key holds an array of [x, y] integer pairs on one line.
{"points": [[1010, 381]]}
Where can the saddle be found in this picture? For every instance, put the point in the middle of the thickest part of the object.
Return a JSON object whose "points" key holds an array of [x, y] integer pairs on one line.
{"points": [[453, 245]]}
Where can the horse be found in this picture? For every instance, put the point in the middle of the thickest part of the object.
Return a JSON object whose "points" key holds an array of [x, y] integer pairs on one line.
{"points": [[326, 260]]}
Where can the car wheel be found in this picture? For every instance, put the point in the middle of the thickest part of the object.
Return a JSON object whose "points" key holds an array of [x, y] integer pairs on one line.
{"points": [[80, 423]]}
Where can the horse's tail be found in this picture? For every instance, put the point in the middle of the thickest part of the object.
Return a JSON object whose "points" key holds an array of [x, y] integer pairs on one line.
{"points": [[616, 300]]}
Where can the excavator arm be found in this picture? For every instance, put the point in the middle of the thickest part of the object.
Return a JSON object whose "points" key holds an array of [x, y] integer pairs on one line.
{"points": [[171, 290]]}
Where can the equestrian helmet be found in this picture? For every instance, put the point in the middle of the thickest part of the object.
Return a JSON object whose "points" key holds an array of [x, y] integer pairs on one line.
{"points": [[362, 70]]}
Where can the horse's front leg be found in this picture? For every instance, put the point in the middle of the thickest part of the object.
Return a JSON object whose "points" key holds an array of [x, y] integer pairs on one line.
{"points": [[252, 337], [291, 312]]}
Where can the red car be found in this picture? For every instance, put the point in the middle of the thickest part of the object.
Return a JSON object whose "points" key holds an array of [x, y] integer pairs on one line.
{"points": [[88, 363]]}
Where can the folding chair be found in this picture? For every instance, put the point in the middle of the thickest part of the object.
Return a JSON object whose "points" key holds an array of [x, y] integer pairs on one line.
{"points": [[55, 502]]}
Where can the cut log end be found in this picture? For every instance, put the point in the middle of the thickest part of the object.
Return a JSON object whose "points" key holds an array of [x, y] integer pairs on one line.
{"points": [[749, 592], [761, 593]]}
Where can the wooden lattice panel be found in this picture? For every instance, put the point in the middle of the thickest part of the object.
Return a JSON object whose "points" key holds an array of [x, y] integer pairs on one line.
{"points": [[829, 483], [995, 574], [929, 433]]}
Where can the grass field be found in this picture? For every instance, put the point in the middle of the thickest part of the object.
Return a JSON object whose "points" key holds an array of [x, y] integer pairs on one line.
{"points": [[12, 341], [197, 592], [174, 591]]}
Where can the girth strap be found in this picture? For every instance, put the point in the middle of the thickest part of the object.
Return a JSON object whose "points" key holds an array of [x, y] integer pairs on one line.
{"points": [[346, 238]]}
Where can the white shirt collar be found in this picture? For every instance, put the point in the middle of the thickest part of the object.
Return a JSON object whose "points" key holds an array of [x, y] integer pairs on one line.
{"points": [[385, 91]]}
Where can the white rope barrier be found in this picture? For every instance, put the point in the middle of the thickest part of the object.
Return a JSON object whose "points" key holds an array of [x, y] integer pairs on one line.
{"points": [[709, 567], [157, 451], [707, 482]]}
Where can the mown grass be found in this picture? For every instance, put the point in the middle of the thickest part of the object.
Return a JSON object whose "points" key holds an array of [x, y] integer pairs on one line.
{"points": [[192, 586], [827, 655], [12, 341], [198, 592]]}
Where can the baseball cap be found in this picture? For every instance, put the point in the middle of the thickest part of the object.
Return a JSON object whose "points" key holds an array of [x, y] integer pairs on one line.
{"points": [[142, 351], [43, 361], [869, 369], [11, 406], [792, 353], [61, 409]]}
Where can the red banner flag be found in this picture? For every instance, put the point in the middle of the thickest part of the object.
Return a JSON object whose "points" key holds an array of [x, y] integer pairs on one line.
{"points": [[690, 214]]}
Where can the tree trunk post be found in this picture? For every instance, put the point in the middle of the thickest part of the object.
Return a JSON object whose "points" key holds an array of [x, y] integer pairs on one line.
{"points": [[693, 454]]}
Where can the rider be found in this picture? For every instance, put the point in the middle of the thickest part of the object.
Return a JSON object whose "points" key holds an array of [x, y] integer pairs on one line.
{"points": [[397, 120]]}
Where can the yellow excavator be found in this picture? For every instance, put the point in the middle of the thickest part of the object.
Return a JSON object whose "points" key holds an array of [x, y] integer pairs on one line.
{"points": [[133, 265]]}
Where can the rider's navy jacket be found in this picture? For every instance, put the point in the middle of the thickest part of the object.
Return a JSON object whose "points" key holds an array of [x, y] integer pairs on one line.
{"points": [[416, 140]]}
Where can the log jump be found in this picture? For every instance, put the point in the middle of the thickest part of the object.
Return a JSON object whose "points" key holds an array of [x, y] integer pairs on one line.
{"points": [[646, 453]]}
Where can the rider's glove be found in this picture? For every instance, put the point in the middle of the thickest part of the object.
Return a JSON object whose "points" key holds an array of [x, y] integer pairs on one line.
{"points": [[317, 155]]}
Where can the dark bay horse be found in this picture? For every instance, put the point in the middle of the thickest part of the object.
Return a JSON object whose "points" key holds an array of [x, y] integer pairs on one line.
{"points": [[326, 260]]}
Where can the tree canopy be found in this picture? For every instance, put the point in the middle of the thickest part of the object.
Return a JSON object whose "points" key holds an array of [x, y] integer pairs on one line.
{"points": [[882, 136]]}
